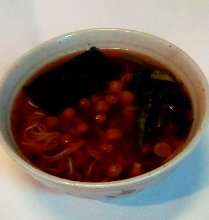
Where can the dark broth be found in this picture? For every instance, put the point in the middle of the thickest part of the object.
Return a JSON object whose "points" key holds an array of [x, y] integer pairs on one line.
{"points": [[122, 126]]}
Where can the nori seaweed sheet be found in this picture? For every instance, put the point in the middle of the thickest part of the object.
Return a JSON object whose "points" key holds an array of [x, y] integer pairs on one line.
{"points": [[82, 76]]}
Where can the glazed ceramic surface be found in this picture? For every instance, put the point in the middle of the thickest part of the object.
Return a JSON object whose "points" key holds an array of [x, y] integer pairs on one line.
{"points": [[164, 52]]}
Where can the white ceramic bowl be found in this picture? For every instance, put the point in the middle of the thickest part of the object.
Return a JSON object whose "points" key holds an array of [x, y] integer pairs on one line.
{"points": [[166, 53]]}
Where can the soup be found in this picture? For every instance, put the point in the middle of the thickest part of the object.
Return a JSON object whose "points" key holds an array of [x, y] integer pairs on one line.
{"points": [[101, 115]]}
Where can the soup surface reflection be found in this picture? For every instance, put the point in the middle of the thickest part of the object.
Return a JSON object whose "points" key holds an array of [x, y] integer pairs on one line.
{"points": [[101, 115]]}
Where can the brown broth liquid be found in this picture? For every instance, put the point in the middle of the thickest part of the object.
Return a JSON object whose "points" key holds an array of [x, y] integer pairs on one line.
{"points": [[107, 136]]}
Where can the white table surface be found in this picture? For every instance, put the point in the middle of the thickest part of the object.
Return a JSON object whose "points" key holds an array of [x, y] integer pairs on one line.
{"points": [[26, 23]]}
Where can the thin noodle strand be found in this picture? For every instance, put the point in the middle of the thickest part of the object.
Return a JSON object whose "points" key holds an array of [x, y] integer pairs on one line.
{"points": [[72, 148], [90, 168]]}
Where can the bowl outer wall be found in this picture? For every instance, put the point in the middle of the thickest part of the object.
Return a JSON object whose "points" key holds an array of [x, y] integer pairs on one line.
{"points": [[166, 53]]}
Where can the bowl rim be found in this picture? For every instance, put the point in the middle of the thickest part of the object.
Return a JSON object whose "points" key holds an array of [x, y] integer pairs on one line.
{"points": [[138, 179]]}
